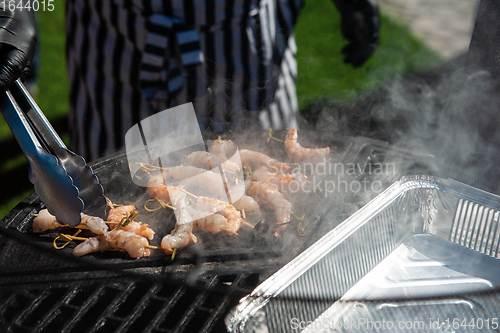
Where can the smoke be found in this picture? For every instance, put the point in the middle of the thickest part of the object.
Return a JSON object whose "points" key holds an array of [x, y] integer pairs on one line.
{"points": [[450, 113], [445, 114]]}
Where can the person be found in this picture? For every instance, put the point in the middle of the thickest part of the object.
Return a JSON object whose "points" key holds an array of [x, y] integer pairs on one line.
{"points": [[18, 38], [234, 60]]}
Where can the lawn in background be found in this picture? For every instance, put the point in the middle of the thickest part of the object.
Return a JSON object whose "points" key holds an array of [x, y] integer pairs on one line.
{"points": [[321, 71], [322, 74]]}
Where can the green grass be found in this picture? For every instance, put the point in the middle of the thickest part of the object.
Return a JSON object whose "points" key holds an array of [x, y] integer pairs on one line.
{"points": [[322, 73]]}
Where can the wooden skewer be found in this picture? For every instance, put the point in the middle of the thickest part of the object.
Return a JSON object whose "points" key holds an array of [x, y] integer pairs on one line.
{"points": [[67, 237], [301, 227], [230, 231], [301, 230], [243, 213], [247, 224], [189, 193], [298, 218], [110, 204], [173, 254], [162, 205], [270, 136]]}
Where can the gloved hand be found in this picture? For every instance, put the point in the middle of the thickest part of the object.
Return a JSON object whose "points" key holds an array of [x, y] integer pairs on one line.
{"points": [[18, 38], [360, 27]]}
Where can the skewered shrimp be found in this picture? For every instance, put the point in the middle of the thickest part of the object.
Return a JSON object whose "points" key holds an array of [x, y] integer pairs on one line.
{"points": [[46, 221], [118, 213], [270, 196], [209, 161], [281, 181], [256, 159], [138, 228], [207, 180], [157, 188], [183, 172], [300, 154], [135, 245], [248, 204], [179, 238], [221, 148], [95, 224], [183, 232], [212, 223], [226, 219], [232, 215], [178, 198]]}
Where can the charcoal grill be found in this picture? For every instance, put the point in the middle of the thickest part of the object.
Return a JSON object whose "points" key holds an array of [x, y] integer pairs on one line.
{"points": [[47, 290]]}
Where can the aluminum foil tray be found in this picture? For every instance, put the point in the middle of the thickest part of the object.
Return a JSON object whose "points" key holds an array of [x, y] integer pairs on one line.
{"points": [[421, 256]]}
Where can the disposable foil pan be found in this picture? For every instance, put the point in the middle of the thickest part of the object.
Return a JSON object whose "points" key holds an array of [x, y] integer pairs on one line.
{"points": [[421, 256]]}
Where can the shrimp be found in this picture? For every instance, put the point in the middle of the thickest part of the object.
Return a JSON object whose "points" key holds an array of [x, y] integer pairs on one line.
{"points": [[182, 234], [232, 215], [135, 245], [93, 244], [138, 228], [118, 213], [179, 238], [256, 159], [205, 179], [212, 223], [221, 148], [157, 188], [179, 201], [283, 182], [300, 154], [183, 172], [226, 219], [208, 161], [248, 204], [95, 224], [46, 221], [270, 196]]}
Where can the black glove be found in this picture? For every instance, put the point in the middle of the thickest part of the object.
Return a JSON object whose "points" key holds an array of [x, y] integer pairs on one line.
{"points": [[18, 37], [360, 27]]}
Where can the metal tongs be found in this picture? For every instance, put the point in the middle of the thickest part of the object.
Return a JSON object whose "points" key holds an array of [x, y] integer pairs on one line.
{"points": [[62, 179]]}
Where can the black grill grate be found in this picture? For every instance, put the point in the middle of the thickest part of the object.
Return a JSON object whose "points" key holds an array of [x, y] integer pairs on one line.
{"points": [[66, 297], [43, 290], [119, 305]]}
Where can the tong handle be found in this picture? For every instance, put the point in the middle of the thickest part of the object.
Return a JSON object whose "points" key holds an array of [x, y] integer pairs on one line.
{"points": [[20, 127], [49, 137]]}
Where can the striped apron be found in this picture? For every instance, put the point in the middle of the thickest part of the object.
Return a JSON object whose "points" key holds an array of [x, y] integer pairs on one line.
{"points": [[129, 59]]}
